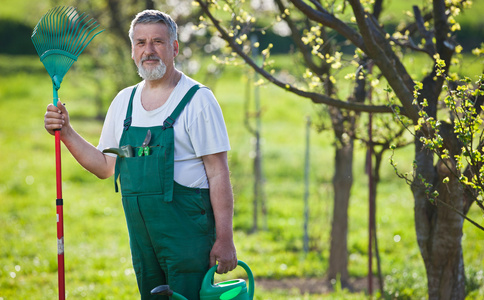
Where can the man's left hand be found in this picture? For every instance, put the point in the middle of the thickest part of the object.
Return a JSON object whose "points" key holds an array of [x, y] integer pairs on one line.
{"points": [[225, 254]]}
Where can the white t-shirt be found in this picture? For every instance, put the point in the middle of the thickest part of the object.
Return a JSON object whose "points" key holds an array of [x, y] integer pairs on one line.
{"points": [[199, 130]]}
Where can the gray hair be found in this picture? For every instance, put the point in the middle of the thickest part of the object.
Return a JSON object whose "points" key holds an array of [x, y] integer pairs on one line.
{"points": [[151, 16]]}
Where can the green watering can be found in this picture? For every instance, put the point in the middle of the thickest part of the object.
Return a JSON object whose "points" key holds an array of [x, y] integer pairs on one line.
{"points": [[235, 289]]}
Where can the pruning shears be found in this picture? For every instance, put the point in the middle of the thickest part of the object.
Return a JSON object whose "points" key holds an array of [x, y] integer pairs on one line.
{"points": [[144, 150]]}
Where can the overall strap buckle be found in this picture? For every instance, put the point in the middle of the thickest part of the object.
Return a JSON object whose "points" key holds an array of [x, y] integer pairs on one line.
{"points": [[127, 123], [168, 123]]}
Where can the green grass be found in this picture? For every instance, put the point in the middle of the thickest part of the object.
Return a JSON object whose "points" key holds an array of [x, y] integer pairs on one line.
{"points": [[98, 264]]}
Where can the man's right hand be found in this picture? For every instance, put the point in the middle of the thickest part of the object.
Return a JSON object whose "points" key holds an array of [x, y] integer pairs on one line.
{"points": [[85, 153], [56, 117]]}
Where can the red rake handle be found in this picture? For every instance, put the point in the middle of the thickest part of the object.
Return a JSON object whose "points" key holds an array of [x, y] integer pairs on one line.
{"points": [[60, 218]]}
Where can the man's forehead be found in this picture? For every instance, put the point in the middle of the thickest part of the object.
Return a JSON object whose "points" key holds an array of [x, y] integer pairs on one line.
{"points": [[143, 29]]}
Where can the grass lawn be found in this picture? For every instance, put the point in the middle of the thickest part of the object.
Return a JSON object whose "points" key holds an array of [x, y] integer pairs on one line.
{"points": [[98, 263]]}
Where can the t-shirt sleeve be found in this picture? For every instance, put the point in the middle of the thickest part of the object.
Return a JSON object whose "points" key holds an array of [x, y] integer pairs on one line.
{"points": [[109, 134], [208, 132]]}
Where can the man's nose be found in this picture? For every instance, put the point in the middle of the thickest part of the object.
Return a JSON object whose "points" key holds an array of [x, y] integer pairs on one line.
{"points": [[150, 48]]}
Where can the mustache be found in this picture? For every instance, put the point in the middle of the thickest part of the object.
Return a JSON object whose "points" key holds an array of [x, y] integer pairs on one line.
{"points": [[150, 57]]}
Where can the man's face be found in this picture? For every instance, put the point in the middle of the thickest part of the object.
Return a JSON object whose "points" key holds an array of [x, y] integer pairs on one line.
{"points": [[152, 51]]}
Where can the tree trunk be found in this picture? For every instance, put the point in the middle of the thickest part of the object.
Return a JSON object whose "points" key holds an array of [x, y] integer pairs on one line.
{"points": [[439, 229], [343, 127], [342, 182]]}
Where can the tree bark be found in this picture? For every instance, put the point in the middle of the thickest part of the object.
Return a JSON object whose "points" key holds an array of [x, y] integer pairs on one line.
{"points": [[445, 267], [342, 182], [439, 230]]}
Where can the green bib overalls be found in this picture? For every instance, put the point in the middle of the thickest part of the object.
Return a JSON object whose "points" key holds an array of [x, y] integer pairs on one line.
{"points": [[171, 227]]}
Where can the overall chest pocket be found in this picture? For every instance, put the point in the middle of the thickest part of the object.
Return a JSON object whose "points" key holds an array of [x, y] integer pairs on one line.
{"points": [[144, 174]]}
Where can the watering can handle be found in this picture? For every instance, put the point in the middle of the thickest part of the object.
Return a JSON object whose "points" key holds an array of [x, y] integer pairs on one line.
{"points": [[208, 280]]}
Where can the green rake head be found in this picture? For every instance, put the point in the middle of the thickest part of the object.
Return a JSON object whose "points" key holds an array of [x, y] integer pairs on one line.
{"points": [[59, 38]]}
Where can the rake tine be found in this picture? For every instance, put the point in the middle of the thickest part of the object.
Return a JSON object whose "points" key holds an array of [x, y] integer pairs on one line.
{"points": [[73, 29], [53, 21], [78, 36], [82, 35], [64, 34], [51, 28], [63, 19], [75, 36], [83, 44]]}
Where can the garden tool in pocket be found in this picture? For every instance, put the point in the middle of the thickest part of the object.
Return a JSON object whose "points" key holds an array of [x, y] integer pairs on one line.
{"points": [[144, 150]]}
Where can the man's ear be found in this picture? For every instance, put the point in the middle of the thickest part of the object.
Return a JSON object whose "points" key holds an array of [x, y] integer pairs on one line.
{"points": [[176, 48]]}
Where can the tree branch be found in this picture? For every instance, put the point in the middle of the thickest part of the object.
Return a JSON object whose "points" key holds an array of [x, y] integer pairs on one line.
{"points": [[323, 17], [315, 97], [296, 37], [429, 45], [386, 60]]}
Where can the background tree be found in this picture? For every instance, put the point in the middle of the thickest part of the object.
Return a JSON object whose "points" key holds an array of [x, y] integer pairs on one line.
{"points": [[439, 230]]}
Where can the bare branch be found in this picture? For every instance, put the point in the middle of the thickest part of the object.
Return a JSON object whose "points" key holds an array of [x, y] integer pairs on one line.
{"points": [[327, 19], [429, 45], [386, 60], [444, 45], [440, 23], [377, 8], [408, 44], [296, 37]]}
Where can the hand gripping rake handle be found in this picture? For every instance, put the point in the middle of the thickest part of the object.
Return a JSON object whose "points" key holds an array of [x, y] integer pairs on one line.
{"points": [[59, 38]]}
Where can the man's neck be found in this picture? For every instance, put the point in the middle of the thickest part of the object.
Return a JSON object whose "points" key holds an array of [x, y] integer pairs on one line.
{"points": [[156, 92], [168, 81]]}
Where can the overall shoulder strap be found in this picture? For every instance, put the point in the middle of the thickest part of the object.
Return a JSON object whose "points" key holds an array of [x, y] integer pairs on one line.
{"points": [[174, 115], [127, 124], [128, 119]]}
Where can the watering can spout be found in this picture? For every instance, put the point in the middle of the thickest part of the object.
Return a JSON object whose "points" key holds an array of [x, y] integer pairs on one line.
{"points": [[235, 289]]}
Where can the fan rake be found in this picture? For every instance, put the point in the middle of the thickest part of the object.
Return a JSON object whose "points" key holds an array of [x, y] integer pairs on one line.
{"points": [[59, 38]]}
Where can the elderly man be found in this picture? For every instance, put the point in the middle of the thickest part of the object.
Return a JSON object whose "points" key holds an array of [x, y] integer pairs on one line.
{"points": [[166, 140]]}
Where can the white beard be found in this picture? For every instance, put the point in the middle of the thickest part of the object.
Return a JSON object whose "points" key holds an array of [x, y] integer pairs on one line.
{"points": [[154, 73]]}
